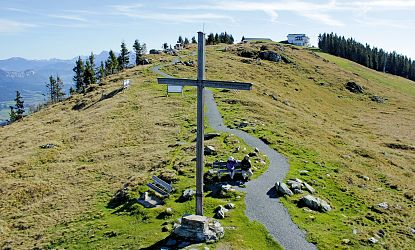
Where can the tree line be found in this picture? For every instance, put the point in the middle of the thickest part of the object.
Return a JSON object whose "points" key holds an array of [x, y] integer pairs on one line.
{"points": [[371, 57], [223, 37], [86, 72]]}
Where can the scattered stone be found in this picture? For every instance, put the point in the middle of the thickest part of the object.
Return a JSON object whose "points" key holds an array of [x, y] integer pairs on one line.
{"points": [[285, 102], [373, 240], [274, 97], [345, 241], [209, 150], [354, 231], [48, 145], [252, 154], [377, 99], [303, 172], [314, 203], [165, 229], [265, 140], [298, 180], [309, 188], [412, 230], [297, 191], [366, 178], [383, 205], [256, 150], [230, 206], [354, 87], [283, 189], [198, 228], [270, 56], [294, 184], [243, 124], [381, 233], [188, 194], [189, 63], [220, 212], [227, 188], [209, 136], [169, 211], [110, 234], [262, 162], [237, 149]]}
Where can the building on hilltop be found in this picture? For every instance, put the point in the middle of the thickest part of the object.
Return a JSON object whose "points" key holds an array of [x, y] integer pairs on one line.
{"points": [[298, 39], [178, 46], [249, 40]]}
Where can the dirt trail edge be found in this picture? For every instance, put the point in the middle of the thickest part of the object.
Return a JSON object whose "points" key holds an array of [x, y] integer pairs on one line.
{"points": [[261, 202]]}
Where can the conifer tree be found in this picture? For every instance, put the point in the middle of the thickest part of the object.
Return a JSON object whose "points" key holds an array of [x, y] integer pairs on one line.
{"points": [[140, 50], [165, 46], [194, 40], [180, 40], [111, 65], [16, 112], [186, 41], [123, 58], [78, 78], [101, 72]]}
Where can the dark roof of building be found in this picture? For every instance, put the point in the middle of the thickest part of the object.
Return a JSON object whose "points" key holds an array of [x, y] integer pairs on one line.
{"points": [[256, 39]]}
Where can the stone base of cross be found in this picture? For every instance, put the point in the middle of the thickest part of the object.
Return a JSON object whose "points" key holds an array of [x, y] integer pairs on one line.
{"points": [[201, 83]]}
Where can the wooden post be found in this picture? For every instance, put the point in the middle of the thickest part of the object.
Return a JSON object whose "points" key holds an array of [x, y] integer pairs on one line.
{"points": [[200, 122]]}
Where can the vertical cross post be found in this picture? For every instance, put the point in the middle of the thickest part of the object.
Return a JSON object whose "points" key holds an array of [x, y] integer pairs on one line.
{"points": [[200, 122]]}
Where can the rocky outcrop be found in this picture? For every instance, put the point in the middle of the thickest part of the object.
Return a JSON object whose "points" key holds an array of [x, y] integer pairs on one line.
{"points": [[270, 56], [197, 228], [209, 150], [283, 189], [314, 203], [354, 87]]}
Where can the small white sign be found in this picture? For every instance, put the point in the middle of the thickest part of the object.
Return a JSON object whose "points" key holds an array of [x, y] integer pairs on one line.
{"points": [[126, 83], [174, 89]]}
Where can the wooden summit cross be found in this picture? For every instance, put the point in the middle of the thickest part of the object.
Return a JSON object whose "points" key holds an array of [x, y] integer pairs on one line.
{"points": [[201, 83]]}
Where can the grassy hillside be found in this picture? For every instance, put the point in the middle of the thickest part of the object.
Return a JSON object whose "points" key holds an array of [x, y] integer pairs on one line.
{"points": [[304, 110], [58, 197]]}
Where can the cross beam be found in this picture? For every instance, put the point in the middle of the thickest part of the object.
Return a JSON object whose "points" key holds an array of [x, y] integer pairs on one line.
{"points": [[201, 83], [205, 83]]}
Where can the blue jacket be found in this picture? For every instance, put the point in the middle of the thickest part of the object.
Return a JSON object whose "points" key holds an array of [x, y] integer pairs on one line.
{"points": [[230, 165]]}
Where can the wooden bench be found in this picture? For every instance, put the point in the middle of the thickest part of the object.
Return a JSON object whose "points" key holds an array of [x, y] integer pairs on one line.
{"points": [[161, 187], [219, 167]]}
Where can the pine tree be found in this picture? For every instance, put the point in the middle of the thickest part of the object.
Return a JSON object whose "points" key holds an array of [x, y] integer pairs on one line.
{"points": [[93, 75], [180, 40], [79, 70], [216, 40], [243, 38], [16, 112], [111, 65], [186, 41], [210, 39], [51, 89], [194, 40], [123, 58], [140, 50], [88, 75], [165, 46], [60, 94], [101, 73]]}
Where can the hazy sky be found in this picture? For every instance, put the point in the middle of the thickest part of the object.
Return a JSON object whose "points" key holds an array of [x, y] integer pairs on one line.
{"points": [[64, 29]]}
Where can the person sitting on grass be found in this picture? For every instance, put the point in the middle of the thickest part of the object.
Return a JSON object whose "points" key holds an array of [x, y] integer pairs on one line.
{"points": [[230, 166], [246, 168]]}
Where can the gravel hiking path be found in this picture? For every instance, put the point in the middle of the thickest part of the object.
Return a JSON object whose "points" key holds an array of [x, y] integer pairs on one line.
{"points": [[262, 203]]}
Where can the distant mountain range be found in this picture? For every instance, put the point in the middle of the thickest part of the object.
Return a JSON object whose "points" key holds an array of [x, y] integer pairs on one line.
{"points": [[30, 76]]}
